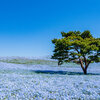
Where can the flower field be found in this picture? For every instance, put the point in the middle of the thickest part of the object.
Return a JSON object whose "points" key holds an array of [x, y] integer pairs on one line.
{"points": [[47, 81]]}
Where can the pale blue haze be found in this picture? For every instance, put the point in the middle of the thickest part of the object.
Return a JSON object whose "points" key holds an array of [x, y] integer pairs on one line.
{"points": [[27, 26]]}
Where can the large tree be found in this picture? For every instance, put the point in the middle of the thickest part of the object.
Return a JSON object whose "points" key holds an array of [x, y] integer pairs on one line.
{"points": [[79, 47]]}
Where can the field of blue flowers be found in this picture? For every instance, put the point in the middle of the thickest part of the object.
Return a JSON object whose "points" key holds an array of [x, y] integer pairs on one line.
{"points": [[44, 80]]}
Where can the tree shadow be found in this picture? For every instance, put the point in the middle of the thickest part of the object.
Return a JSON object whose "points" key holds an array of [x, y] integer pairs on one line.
{"points": [[61, 72]]}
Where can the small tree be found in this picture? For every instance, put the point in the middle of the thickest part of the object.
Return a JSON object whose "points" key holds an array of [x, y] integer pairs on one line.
{"points": [[81, 48]]}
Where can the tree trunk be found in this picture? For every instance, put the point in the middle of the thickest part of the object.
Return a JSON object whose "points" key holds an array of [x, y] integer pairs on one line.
{"points": [[81, 62], [86, 65], [83, 68], [85, 71]]}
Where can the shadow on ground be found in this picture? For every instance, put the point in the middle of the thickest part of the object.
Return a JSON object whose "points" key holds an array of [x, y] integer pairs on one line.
{"points": [[61, 72]]}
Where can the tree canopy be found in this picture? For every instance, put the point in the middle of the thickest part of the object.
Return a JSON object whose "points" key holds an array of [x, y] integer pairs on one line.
{"points": [[78, 47]]}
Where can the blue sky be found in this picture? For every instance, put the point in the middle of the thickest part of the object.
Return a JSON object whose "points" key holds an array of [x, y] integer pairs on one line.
{"points": [[28, 26]]}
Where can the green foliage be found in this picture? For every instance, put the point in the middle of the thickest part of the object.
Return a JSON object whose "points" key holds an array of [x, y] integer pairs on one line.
{"points": [[76, 47]]}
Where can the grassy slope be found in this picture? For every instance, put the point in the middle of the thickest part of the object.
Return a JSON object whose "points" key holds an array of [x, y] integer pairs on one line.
{"points": [[35, 61], [29, 61]]}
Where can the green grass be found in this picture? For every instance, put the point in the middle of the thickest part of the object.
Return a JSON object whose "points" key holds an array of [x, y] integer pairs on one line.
{"points": [[29, 61]]}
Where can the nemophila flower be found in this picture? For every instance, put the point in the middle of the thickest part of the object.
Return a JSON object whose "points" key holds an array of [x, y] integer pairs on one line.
{"points": [[22, 82]]}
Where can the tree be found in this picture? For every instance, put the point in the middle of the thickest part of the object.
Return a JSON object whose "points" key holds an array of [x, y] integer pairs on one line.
{"points": [[77, 47]]}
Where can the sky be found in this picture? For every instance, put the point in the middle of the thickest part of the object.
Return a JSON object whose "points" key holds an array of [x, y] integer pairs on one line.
{"points": [[28, 26]]}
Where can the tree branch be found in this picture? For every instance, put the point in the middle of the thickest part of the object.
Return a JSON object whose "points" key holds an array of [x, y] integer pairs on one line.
{"points": [[81, 62], [77, 50], [87, 65], [85, 60]]}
